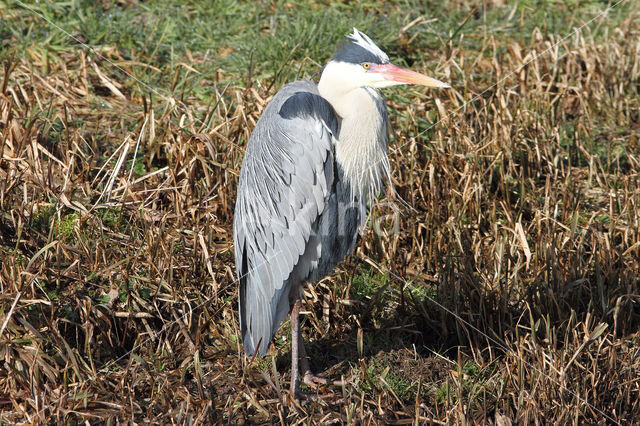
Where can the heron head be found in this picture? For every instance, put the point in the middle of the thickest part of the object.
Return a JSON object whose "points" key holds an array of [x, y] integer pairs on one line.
{"points": [[361, 63]]}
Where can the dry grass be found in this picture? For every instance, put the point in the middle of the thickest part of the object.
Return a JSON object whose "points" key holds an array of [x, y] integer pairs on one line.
{"points": [[511, 293]]}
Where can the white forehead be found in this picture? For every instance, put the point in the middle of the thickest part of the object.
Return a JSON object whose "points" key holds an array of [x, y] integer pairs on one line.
{"points": [[363, 40]]}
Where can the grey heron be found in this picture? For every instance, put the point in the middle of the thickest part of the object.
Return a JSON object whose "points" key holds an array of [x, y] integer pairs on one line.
{"points": [[317, 156]]}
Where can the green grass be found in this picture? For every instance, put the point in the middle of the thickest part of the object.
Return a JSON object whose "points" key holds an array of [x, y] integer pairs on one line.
{"points": [[266, 39], [64, 228], [112, 217], [369, 284]]}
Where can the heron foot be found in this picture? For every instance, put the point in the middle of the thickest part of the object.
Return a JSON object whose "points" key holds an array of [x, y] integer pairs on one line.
{"points": [[314, 381]]}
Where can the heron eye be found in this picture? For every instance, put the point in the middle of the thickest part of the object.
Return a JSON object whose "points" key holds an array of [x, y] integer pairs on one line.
{"points": [[366, 66]]}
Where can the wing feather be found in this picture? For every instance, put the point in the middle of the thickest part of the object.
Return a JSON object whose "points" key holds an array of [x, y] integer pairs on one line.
{"points": [[284, 187]]}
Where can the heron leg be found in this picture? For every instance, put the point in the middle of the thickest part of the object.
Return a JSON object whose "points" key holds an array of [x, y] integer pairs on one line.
{"points": [[299, 357]]}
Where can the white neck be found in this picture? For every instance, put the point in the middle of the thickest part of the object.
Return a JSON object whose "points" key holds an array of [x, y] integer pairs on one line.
{"points": [[362, 141]]}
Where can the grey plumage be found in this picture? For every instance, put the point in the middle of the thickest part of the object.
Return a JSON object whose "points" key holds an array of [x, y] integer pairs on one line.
{"points": [[287, 207], [314, 159]]}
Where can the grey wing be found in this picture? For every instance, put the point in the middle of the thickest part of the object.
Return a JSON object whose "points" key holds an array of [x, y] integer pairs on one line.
{"points": [[285, 182]]}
